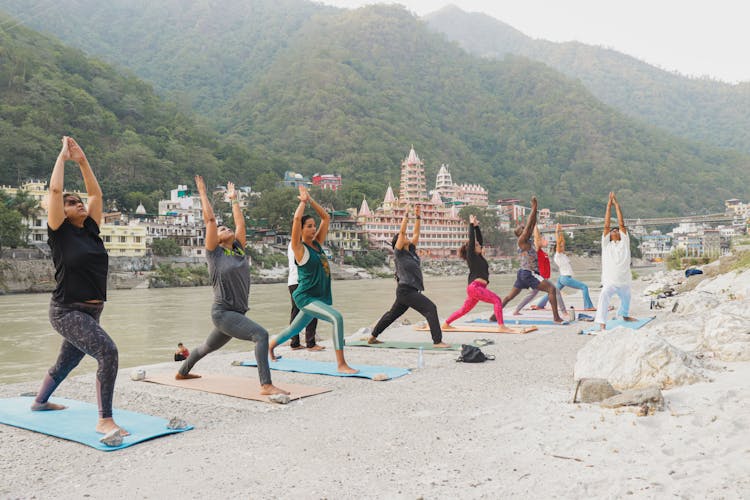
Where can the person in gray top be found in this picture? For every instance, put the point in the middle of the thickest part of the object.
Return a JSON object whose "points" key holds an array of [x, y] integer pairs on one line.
{"points": [[410, 285], [229, 270]]}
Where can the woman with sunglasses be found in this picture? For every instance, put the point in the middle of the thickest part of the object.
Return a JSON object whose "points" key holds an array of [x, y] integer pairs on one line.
{"points": [[81, 265]]}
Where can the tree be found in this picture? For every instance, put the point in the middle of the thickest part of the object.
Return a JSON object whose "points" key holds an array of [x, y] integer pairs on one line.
{"points": [[277, 206], [11, 227], [165, 247], [28, 207]]}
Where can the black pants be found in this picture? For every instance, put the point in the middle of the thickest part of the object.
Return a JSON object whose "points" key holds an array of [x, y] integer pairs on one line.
{"points": [[309, 330], [407, 297]]}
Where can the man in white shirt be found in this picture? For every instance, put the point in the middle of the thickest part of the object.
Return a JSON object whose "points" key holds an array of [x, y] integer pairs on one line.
{"points": [[616, 275]]}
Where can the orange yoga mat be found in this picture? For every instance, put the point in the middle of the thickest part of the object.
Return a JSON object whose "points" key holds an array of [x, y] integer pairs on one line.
{"points": [[237, 387], [480, 329]]}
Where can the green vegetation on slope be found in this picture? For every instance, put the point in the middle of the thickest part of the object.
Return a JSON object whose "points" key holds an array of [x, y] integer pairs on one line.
{"points": [[697, 109]]}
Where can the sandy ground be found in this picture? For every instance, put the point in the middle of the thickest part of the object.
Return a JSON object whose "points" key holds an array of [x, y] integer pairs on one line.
{"points": [[500, 429]]}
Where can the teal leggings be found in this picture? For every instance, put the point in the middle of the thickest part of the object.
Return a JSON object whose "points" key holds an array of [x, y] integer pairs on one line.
{"points": [[320, 310]]}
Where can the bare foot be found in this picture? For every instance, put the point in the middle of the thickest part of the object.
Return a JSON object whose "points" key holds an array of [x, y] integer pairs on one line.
{"points": [[536, 308], [517, 313], [180, 376], [268, 389], [374, 340], [46, 406], [107, 425], [346, 369], [603, 326], [629, 318], [316, 347], [446, 326], [504, 329], [297, 347], [560, 321], [441, 345]]}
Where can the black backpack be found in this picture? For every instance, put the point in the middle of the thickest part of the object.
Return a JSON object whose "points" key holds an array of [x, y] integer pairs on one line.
{"points": [[472, 354]]}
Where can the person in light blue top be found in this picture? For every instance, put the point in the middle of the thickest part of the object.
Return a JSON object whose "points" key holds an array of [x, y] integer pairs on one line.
{"points": [[566, 274], [313, 294]]}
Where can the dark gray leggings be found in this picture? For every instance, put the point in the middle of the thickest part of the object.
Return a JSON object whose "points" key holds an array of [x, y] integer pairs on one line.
{"points": [[228, 325], [78, 323]]}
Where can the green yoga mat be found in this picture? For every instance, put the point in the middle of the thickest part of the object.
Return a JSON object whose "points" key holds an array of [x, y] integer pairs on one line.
{"points": [[392, 344]]}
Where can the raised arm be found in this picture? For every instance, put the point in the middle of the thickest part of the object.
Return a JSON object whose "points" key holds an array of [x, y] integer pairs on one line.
{"points": [[212, 232], [240, 233], [325, 220], [297, 247], [530, 224], [608, 213], [620, 219], [559, 239], [55, 208], [96, 199], [473, 226], [417, 225], [537, 238], [402, 239]]}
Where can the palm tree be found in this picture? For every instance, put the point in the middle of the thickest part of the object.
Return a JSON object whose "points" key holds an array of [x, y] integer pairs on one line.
{"points": [[29, 208]]}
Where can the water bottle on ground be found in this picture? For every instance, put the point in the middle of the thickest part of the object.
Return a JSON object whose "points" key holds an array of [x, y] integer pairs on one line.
{"points": [[420, 358]]}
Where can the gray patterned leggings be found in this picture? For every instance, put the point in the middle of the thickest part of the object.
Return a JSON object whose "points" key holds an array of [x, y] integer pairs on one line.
{"points": [[78, 323]]}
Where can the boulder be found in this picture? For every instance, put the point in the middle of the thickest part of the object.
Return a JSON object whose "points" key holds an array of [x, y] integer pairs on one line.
{"points": [[631, 359], [593, 390]]}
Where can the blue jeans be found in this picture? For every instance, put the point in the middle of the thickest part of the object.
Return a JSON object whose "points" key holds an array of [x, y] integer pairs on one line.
{"points": [[564, 281]]}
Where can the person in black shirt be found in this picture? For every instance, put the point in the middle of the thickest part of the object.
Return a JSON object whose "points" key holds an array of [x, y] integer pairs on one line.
{"points": [[479, 278], [78, 299], [410, 285]]}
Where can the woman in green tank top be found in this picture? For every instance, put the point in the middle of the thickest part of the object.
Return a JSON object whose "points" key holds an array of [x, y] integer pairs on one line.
{"points": [[313, 295]]}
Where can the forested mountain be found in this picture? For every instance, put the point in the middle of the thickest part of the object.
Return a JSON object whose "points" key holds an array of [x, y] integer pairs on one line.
{"points": [[136, 143], [198, 53], [350, 91], [698, 109]]}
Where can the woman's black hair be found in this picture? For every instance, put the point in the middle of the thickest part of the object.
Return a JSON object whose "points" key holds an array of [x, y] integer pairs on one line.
{"points": [[305, 218], [463, 249]]}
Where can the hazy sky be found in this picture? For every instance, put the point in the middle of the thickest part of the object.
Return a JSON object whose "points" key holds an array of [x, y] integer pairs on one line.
{"points": [[692, 37]]}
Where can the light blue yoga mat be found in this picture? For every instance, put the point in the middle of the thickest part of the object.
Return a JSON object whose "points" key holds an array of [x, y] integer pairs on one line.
{"points": [[77, 422], [513, 321], [614, 323], [323, 368]]}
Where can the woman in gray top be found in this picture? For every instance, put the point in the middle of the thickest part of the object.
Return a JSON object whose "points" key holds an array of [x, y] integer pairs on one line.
{"points": [[229, 270], [410, 285]]}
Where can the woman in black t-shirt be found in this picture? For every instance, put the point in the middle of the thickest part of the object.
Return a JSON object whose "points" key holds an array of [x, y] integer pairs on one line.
{"points": [[78, 299], [410, 284]]}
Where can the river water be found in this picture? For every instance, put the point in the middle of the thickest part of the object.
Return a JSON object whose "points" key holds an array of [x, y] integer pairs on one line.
{"points": [[147, 324]]}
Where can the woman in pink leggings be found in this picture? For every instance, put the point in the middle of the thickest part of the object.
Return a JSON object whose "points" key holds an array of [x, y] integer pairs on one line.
{"points": [[479, 278]]}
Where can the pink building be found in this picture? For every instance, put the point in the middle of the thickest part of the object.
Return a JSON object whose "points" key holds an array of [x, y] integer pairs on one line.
{"points": [[327, 181], [442, 231]]}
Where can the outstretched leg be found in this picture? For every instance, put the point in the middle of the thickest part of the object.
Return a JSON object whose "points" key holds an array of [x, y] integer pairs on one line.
{"points": [[79, 326], [395, 312], [469, 303], [321, 310], [241, 327]]}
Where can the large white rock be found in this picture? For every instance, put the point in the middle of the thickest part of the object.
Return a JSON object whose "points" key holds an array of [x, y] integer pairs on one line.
{"points": [[727, 332], [631, 359]]}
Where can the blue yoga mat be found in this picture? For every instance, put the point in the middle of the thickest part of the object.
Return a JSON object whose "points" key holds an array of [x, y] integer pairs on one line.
{"points": [[323, 368], [77, 422], [513, 321], [614, 323]]}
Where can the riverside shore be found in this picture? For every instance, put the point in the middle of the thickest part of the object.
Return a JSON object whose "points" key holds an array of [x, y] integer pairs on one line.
{"points": [[449, 430]]}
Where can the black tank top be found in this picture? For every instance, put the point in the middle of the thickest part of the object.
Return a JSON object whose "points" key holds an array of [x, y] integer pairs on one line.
{"points": [[478, 267]]}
